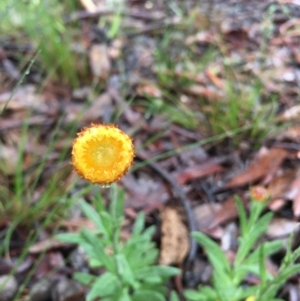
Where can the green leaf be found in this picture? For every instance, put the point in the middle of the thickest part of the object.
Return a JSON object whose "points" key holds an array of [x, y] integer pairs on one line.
{"points": [[72, 238], [124, 270], [242, 214], [262, 266], [270, 248], [216, 257], [226, 291], [152, 280], [107, 223], [159, 288], [116, 24], [148, 295], [98, 251], [92, 215], [78, 238], [138, 225], [248, 241], [97, 201], [116, 207], [204, 293], [248, 291], [164, 272], [255, 211], [140, 251], [124, 296], [84, 278], [281, 278], [243, 270], [174, 296], [105, 285]]}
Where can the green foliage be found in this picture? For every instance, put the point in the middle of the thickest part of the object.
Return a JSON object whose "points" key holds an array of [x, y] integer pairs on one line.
{"points": [[42, 22], [17, 201], [130, 270], [227, 280], [242, 106]]}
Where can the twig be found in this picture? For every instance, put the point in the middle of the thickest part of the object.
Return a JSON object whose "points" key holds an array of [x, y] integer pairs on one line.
{"points": [[287, 145], [178, 192], [155, 27], [81, 15]]}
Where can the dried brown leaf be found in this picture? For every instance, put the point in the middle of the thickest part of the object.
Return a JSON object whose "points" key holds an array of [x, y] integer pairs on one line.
{"points": [[281, 227], [201, 37], [265, 165], [205, 215], [46, 245], [276, 204], [291, 113], [198, 171], [207, 92], [279, 184], [89, 5], [148, 89], [100, 109], [175, 237], [217, 81], [75, 225], [294, 194], [24, 97], [99, 61], [291, 133], [8, 159], [227, 212]]}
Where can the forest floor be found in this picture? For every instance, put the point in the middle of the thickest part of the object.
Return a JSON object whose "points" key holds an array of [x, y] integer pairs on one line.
{"points": [[209, 92]]}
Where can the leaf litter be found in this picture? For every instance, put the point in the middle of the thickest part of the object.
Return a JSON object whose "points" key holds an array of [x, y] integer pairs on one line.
{"points": [[257, 44]]}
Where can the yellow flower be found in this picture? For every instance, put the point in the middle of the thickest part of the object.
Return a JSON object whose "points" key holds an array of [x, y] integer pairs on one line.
{"points": [[102, 154], [251, 298]]}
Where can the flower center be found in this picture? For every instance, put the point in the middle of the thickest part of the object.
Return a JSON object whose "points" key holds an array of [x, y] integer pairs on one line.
{"points": [[104, 155]]}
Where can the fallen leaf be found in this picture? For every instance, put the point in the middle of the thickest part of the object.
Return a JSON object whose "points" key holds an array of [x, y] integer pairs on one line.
{"points": [[294, 194], [291, 133], [198, 171], [205, 215], [115, 49], [46, 245], [205, 37], [89, 5], [75, 225], [148, 89], [100, 109], [24, 97], [276, 204], [279, 184], [99, 61], [8, 160], [226, 213], [207, 92], [175, 237], [279, 227], [265, 165], [217, 81], [290, 114]]}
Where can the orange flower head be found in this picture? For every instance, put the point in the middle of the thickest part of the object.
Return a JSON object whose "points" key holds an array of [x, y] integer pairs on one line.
{"points": [[102, 154], [259, 194]]}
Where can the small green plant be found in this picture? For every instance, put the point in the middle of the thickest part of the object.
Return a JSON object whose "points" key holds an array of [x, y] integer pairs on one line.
{"points": [[129, 270], [228, 280]]}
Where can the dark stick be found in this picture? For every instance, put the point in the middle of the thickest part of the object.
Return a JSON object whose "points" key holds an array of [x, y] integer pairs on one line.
{"points": [[178, 192]]}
